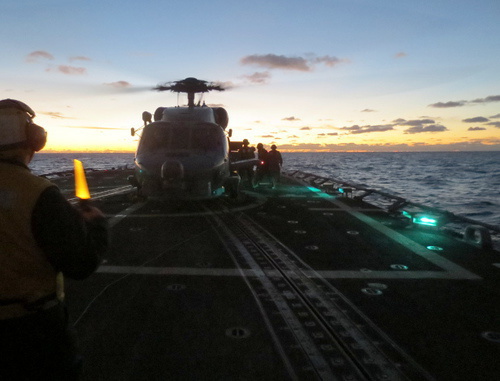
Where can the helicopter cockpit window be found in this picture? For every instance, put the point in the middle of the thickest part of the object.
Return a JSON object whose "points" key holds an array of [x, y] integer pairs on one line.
{"points": [[179, 138], [204, 137], [154, 139]]}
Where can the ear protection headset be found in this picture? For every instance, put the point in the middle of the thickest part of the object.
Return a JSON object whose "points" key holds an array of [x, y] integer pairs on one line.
{"points": [[36, 136]]}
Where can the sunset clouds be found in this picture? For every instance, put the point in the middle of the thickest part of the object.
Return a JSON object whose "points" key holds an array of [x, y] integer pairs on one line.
{"points": [[42, 57], [39, 55], [296, 63], [488, 99], [334, 76]]}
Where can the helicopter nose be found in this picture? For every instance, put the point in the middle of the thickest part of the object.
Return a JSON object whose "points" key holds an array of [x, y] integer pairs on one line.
{"points": [[172, 171]]}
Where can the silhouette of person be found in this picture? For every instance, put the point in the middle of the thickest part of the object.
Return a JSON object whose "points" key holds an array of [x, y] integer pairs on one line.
{"points": [[275, 161], [42, 237], [246, 153], [263, 168]]}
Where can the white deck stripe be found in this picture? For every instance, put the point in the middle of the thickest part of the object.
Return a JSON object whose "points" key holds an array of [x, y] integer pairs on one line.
{"points": [[343, 210], [455, 271], [233, 272], [124, 213]]}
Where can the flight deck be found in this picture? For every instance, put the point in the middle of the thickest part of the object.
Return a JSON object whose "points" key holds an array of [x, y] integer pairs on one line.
{"points": [[293, 283]]}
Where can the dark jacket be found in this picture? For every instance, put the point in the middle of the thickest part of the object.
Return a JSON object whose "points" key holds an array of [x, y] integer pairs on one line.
{"points": [[41, 236], [275, 161]]}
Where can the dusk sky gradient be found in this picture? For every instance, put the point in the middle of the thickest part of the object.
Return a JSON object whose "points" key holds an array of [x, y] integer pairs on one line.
{"points": [[318, 75]]}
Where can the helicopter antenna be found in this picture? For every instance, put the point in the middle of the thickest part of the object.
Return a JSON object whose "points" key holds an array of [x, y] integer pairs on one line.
{"points": [[191, 86]]}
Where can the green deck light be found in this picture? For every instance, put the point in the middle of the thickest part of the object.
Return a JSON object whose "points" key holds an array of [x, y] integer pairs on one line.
{"points": [[313, 189], [406, 214], [421, 218], [425, 219]]}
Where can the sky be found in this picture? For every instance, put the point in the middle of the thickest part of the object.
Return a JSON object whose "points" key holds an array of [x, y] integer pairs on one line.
{"points": [[316, 75]]}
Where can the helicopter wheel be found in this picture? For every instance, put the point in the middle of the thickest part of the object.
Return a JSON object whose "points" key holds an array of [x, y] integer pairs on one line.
{"points": [[233, 187]]}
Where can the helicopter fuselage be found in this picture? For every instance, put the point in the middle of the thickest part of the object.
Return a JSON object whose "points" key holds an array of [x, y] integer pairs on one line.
{"points": [[184, 155]]}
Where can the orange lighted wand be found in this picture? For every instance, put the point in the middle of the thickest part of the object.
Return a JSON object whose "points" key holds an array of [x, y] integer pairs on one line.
{"points": [[81, 187]]}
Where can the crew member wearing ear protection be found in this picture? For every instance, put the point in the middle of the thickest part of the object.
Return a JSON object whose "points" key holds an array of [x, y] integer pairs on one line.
{"points": [[42, 238]]}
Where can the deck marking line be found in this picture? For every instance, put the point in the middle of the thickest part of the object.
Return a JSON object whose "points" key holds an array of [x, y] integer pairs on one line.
{"points": [[141, 270], [458, 271], [106, 193], [343, 210], [252, 205], [321, 274], [124, 213]]}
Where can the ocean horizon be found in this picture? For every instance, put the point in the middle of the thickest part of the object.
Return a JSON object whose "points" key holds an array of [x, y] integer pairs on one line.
{"points": [[466, 183]]}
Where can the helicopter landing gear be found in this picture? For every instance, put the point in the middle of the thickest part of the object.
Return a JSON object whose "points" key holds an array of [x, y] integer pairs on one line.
{"points": [[232, 186]]}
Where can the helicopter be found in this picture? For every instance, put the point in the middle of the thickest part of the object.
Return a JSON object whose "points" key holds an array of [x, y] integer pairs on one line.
{"points": [[185, 152]]}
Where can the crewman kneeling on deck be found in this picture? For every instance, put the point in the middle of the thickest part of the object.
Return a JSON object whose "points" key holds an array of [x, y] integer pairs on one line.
{"points": [[42, 237]]}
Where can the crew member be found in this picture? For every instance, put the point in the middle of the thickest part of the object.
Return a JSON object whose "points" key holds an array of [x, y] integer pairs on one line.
{"points": [[263, 167], [275, 161], [246, 153], [42, 237]]}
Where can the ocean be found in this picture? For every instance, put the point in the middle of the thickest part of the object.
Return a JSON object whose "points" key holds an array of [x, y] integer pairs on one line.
{"points": [[464, 183]]}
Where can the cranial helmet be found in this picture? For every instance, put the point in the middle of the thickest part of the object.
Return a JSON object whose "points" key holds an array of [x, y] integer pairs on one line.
{"points": [[17, 129]]}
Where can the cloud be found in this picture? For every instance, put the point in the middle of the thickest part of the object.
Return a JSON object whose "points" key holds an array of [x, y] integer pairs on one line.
{"points": [[305, 128], [352, 128], [495, 116], [429, 128], [368, 110], [258, 77], [291, 119], [488, 99], [68, 70], [475, 145], [97, 128], [476, 129], [37, 55], [400, 55], [414, 122], [399, 121], [329, 61], [332, 133], [273, 61], [477, 119], [79, 58], [448, 104], [494, 124], [416, 126], [55, 115], [266, 136], [355, 129], [297, 63], [375, 128], [118, 84]]}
